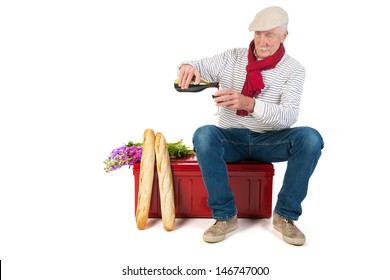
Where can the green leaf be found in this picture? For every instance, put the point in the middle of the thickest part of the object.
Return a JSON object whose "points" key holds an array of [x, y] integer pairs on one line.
{"points": [[131, 143], [179, 150]]}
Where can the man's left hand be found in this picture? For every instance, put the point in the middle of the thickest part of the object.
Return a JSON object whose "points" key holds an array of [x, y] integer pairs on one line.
{"points": [[234, 100]]}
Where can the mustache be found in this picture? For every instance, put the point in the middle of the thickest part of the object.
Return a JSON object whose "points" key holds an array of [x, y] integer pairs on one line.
{"points": [[263, 48]]}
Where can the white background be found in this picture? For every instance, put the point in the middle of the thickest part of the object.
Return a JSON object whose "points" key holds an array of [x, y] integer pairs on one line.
{"points": [[79, 78]]}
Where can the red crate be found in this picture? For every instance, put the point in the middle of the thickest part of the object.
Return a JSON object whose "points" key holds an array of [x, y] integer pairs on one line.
{"points": [[251, 183]]}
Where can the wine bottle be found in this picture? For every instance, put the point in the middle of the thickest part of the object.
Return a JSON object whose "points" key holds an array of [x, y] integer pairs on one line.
{"points": [[196, 87]]}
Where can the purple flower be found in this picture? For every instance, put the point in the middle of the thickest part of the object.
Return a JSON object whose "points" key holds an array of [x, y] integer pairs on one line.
{"points": [[124, 155]]}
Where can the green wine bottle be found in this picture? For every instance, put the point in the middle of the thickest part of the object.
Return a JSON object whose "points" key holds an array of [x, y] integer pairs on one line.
{"points": [[196, 87]]}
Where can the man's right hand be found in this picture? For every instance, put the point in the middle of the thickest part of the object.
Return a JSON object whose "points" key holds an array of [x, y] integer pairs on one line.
{"points": [[186, 75]]}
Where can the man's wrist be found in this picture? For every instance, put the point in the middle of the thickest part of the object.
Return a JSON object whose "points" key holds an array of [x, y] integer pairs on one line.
{"points": [[252, 104]]}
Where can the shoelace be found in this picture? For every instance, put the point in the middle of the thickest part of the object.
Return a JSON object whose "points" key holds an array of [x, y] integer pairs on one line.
{"points": [[289, 222]]}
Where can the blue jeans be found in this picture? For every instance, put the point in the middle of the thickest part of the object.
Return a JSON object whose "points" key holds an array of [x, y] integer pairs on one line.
{"points": [[299, 146]]}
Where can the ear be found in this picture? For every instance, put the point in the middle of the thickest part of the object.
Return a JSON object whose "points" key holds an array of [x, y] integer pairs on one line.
{"points": [[284, 36]]}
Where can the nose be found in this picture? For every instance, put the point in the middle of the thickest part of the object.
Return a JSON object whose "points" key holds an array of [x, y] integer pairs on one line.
{"points": [[261, 40]]}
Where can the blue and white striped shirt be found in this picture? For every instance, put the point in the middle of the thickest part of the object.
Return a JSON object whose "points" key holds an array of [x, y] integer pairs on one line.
{"points": [[277, 106]]}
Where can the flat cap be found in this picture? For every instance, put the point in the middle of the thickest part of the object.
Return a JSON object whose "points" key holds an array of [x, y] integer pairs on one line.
{"points": [[268, 19]]}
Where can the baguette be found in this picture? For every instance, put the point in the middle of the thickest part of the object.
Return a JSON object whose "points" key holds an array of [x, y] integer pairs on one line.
{"points": [[165, 182], [146, 178]]}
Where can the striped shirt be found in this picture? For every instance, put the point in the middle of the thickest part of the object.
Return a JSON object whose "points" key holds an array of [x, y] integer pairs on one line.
{"points": [[276, 107]]}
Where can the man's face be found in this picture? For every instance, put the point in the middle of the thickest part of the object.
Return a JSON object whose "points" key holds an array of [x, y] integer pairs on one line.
{"points": [[268, 42]]}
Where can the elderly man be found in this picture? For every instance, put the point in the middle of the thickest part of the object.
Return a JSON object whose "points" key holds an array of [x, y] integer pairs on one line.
{"points": [[259, 102]]}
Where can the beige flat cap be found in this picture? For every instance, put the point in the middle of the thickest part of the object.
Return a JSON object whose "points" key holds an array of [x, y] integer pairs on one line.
{"points": [[268, 19]]}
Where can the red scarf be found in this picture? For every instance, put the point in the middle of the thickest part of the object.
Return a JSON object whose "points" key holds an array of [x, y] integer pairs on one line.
{"points": [[254, 80]]}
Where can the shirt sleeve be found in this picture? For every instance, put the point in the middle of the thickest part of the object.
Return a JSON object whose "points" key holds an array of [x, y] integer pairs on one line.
{"points": [[210, 68]]}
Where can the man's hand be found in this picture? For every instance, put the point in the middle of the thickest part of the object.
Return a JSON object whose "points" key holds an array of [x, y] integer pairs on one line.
{"points": [[186, 74], [234, 100]]}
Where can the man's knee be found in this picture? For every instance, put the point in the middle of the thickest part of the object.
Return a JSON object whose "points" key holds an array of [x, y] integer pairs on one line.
{"points": [[203, 136], [312, 139]]}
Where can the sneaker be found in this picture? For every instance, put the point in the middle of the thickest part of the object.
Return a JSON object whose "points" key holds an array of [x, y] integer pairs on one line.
{"points": [[290, 233], [218, 231]]}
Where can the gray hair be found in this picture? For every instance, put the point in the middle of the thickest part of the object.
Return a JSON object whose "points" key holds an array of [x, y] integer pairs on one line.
{"points": [[283, 29]]}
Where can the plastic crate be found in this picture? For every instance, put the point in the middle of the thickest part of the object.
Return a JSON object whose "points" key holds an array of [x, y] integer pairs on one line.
{"points": [[251, 183]]}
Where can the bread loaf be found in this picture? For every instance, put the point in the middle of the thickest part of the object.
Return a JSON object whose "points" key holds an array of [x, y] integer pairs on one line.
{"points": [[145, 178], [165, 182]]}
